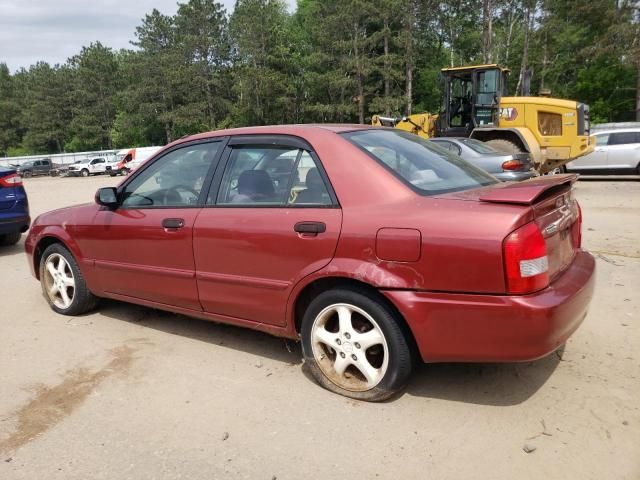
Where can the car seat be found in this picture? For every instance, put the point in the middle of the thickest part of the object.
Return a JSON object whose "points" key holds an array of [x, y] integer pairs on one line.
{"points": [[316, 192], [256, 185]]}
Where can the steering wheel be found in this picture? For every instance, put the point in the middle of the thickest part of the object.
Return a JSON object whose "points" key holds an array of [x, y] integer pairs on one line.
{"points": [[172, 195]]}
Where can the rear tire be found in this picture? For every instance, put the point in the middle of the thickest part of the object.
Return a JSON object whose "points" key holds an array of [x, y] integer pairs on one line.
{"points": [[9, 239], [505, 145], [353, 345], [62, 282]]}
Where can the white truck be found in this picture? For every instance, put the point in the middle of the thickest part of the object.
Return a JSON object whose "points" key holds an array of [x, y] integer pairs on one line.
{"points": [[90, 166]]}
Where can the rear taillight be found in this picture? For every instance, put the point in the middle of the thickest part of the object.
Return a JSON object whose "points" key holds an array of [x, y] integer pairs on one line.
{"points": [[525, 260], [576, 229], [13, 180], [511, 165]]}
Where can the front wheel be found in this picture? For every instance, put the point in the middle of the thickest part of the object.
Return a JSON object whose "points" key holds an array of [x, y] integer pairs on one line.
{"points": [[85, 172], [353, 345], [62, 282]]}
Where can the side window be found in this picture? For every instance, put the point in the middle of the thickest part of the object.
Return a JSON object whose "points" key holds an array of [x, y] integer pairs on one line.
{"points": [[258, 175], [174, 180], [624, 138], [308, 187], [601, 140]]}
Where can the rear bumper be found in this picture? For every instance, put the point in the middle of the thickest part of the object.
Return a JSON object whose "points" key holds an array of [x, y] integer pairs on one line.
{"points": [[14, 223], [498, 328]]}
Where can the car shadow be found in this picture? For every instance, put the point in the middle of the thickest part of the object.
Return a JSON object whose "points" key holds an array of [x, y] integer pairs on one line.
{"points": [[228, 336], [494, 384], [11, 250]]}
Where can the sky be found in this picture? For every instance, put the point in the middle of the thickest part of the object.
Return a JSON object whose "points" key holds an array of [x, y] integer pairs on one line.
{"points": [[54, 30]]}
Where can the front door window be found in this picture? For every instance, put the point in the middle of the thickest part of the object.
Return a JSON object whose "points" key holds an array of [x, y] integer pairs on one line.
{"points": [[174, 180]]}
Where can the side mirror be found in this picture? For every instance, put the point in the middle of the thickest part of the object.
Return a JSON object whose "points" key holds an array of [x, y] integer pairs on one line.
{"points": [[107, 197]]}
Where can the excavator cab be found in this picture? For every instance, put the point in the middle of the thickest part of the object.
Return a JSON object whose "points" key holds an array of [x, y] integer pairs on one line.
{"points": [[470, 98]]}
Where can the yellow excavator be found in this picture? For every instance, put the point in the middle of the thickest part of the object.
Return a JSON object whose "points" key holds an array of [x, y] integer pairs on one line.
{"points": [[475, 104]]}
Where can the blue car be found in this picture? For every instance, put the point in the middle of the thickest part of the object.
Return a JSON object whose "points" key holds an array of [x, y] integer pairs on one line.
{"points": [[14, 207]]}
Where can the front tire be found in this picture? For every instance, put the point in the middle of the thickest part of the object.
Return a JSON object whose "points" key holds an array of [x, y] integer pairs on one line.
{"points": [[353, 345], [9, 239], [62, 282], [85, 172]]}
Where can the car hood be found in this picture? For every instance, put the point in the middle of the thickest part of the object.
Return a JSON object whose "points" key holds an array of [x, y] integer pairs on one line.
{"points": [[75, 215]]}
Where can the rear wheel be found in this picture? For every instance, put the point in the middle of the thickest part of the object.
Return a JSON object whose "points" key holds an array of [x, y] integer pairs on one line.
{"points": [[10, 239], [505, 145], [353, 345], [62, 282]]}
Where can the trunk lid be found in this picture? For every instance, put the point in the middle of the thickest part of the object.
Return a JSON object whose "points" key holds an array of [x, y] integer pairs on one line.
{"points": [[7, 193], [555, 212]]}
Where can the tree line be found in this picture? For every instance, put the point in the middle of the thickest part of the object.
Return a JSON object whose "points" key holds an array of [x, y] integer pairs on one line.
{"points": [[329, 61]]}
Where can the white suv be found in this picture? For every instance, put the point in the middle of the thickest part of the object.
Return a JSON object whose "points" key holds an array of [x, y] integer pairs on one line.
{"points": [[617, 151]]}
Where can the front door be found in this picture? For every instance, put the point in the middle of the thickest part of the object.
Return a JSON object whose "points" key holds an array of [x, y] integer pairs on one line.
{"points": [[598, 158], [273, 220], [144, 248]]}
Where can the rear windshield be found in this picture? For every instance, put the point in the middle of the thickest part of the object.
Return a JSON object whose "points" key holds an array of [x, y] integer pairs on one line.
{"points": [[478, 146], [425, 167]]}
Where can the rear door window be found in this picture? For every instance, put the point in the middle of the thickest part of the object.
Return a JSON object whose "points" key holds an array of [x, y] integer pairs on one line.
{"points": [[271, 176], [624, 138], [427, 169]]}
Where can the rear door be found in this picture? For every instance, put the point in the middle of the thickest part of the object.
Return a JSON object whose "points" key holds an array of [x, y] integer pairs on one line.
{"points": [[98, 165], [273, 220], [623, 150]]}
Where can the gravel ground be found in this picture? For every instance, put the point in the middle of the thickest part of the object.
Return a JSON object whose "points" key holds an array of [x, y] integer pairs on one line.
{"points": [[133, 393]]}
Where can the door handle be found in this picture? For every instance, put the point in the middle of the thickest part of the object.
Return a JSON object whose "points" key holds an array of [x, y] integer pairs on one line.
{"points": [[310, 227], [173, 223]]}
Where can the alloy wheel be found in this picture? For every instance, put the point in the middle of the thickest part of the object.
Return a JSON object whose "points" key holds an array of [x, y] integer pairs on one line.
{"points": [[349, 347], [60, 284]]}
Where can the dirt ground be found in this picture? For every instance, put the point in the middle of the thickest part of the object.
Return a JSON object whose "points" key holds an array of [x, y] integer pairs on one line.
{"points": [[133, 393]]}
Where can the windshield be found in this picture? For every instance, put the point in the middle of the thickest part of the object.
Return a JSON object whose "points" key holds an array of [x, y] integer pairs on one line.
{"points": [[479, 146], [427, 168]]}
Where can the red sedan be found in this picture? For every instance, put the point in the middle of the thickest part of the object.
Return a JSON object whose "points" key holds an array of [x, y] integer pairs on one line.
{"points": [[371, 245]]}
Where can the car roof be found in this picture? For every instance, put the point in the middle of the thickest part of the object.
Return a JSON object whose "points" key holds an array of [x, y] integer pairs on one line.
{"points": [[296, 129], [616, 130]]}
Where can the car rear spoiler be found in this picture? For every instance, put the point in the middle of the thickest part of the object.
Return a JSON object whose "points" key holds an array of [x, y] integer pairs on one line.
{"points": [[529, 191]]}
